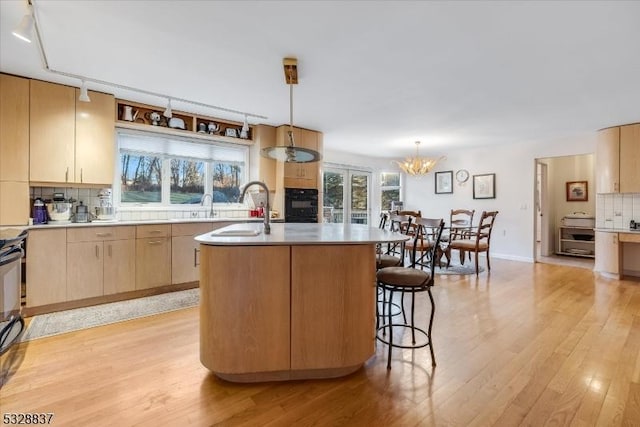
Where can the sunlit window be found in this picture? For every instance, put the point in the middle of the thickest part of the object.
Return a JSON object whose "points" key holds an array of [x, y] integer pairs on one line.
{"points": [[389, 189], [140, 178]]}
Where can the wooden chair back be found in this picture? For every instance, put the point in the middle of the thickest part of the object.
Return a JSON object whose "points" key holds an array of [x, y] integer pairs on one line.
{"points": [[485, 226], [460, 221]]}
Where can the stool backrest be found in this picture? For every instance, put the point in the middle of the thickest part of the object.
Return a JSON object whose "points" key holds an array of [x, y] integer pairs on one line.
{"points": [[427, 230]]}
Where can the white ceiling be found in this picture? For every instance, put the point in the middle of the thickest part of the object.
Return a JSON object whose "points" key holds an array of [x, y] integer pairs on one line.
{"points": [[374, 76]]}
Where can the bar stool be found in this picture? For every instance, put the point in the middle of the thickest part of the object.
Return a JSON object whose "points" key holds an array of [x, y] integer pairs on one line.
{"points": [[409, 280]]}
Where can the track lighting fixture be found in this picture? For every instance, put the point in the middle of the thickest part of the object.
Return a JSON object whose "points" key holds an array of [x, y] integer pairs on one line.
{"points": [[29, 29], [167, 112], [84, 96], [24, 30]]}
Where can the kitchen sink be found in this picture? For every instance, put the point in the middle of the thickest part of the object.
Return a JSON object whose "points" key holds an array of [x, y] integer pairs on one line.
{"points": [[231, 233]]}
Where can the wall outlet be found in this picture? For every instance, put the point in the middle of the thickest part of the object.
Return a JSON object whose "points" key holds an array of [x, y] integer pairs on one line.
{"points": [[194, 214]]}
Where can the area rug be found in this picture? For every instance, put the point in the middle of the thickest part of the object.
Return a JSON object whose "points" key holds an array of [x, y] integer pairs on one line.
{"points": [[468, 268], [61, 322]]}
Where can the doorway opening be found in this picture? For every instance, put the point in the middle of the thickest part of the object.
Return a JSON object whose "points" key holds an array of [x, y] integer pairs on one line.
{"points": [[553, 203]]}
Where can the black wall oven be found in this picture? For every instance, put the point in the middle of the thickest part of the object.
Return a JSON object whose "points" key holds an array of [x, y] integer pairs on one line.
{"points": [[300, 205]]}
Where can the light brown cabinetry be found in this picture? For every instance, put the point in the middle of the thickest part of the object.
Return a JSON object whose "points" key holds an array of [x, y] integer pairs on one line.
{"points": [[46, 267], [618, 156], [95, 139], [14, 150], [607, 253], [70, 141], [100, 261], [299, 175], [244, 316], [342, 291], [286, 312], [153, 255], [185, 256], [630, 158], [265, 136]]}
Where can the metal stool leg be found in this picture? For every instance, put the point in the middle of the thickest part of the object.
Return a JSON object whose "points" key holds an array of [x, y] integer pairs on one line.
{"points": [[433, 312], [390, 331]]}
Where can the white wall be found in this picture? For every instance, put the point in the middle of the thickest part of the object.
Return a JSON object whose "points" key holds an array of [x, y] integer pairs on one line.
{"points": [[514, 166]]}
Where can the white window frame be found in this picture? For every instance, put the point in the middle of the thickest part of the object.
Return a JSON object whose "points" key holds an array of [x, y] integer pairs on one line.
{"points": [[390, 187], [165, 194]]}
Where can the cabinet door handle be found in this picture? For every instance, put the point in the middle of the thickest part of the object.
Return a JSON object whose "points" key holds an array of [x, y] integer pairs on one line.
{"points": [[80, 174], [66, 175], [155, 242], [97, 252], [103, 234], [195, 257], [155, 231]]}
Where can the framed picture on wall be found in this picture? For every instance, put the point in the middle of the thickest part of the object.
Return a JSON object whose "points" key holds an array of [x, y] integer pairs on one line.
{"points": [[577, 191], [444, 182], [484, 186]]}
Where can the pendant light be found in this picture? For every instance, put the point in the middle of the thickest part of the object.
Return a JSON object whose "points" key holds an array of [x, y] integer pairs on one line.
{"points": [[290, 153], [418, 165]]}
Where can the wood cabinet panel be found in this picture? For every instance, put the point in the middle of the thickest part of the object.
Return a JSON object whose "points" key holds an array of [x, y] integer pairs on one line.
{"points": [[153, 230], [14, 203], [84, 270], [250, 303], [607, 253], [153, 262], [629, 158], [98, 234], [119, 266], [324, 280], [14, 128], [190, 229], [52, 132], [608, 160], [46, 267], [95, 139], [185, 258], [265, 136]]}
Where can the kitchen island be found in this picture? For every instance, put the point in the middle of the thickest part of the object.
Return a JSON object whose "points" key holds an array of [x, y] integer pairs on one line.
{"points": [[298, 303]]}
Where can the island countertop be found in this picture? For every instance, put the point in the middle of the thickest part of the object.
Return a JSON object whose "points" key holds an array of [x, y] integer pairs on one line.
{"points": [[298, 234]]}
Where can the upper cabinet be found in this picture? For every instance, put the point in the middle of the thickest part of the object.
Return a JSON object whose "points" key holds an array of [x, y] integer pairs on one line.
{"points": [[14, 150], [14, 128], [95, 139], [70, 141], [300, 175], [630, 158], [617, 156]]}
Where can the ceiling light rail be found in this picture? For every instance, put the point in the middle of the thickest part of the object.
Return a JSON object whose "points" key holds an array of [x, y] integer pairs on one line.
{"points": [[29, 26]]}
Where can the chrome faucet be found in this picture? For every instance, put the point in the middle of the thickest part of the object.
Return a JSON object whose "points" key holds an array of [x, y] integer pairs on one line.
{"points": [[202, 204], [267, 227]]}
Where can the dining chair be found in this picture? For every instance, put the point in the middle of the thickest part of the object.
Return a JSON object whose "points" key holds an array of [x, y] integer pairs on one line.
{"points": [[478, 241], [410, 280], [460, 221]]}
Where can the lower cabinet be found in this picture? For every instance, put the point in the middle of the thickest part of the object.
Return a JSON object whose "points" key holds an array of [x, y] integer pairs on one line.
{"points": [[119, 266], [100, 261], [185, 251], [607, 253], [84, 270], [46, 275], [153, 256]]}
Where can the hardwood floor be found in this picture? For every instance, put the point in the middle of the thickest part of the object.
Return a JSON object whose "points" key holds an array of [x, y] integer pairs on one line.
{"points": [[529, 344]]}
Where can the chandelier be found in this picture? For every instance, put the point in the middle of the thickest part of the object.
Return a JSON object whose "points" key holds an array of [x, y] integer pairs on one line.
{"points": [[417, 165]]}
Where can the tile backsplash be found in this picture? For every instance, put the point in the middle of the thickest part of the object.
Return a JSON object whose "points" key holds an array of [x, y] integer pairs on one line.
{"points": [[617, 210], [89, 196]]}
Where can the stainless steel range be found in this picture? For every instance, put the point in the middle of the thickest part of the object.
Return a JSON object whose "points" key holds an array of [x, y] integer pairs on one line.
{"points": [[11, 253]]}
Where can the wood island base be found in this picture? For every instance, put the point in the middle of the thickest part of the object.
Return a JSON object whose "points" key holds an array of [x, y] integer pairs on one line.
{"points": [[308, 374]]}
